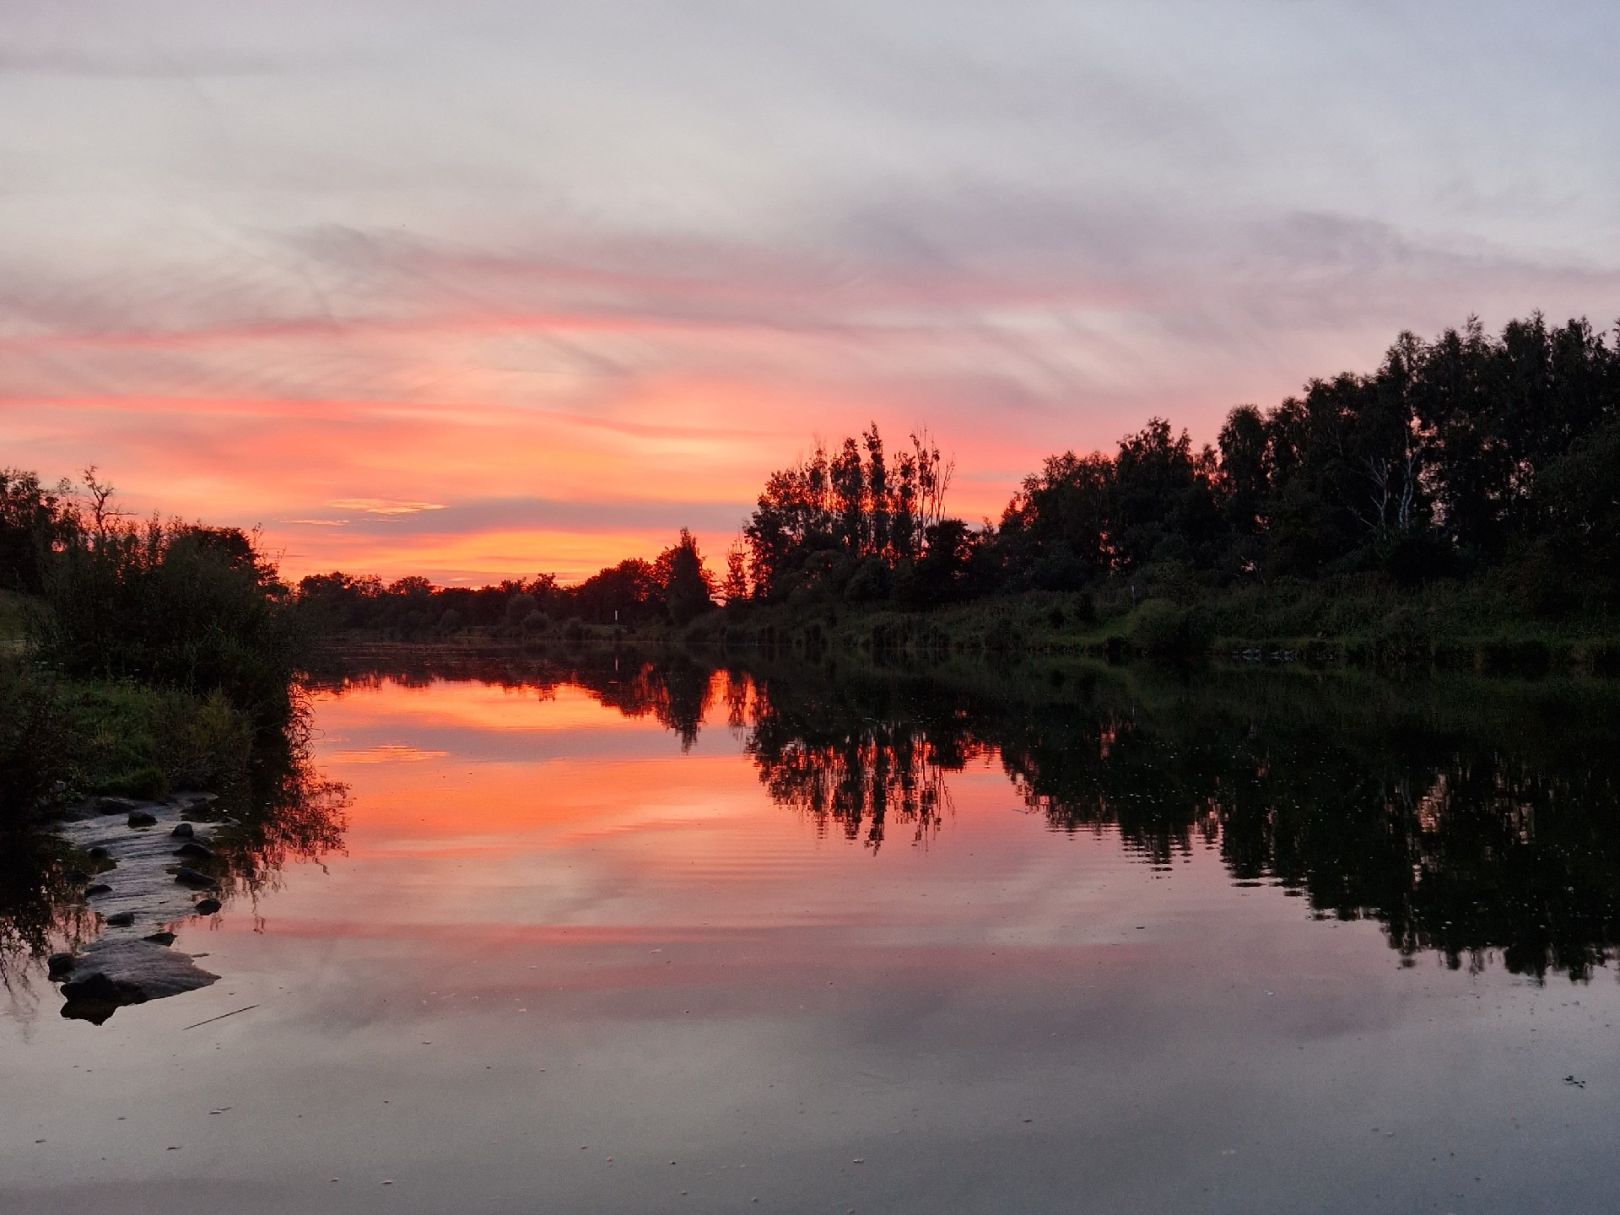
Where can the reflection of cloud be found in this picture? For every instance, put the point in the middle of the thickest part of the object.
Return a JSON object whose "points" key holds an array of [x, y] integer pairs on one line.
{"points": [[385, 506], [387, 753]]}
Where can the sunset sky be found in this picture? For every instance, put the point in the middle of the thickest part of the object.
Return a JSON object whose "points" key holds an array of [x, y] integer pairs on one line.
{"points": [[482, 289]]}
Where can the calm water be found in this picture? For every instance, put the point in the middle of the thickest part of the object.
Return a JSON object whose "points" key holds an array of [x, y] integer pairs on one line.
{"points": [[632, 938]]}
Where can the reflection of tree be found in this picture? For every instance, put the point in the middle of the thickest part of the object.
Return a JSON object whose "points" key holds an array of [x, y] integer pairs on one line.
{"points": [[39, 905], [1457, 834], [676, 692], [876, 774], [281, 812], [292, 814], [861, 756], [1472, 819]]}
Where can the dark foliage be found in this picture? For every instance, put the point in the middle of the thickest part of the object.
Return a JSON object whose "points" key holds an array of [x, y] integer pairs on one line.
{"points": [[173, 605]]}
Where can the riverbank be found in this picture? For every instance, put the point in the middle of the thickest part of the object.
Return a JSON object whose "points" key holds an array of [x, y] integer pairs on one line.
{"points": [[151, 870], [1352, 623]]}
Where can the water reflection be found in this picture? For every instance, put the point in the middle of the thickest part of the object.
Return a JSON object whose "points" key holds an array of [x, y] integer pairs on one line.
{"points": [[1477, 820], [281, 811]]}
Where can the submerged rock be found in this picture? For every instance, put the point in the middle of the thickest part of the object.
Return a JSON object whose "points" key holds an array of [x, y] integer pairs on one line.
{"points": [[113, 973], [183, 831], [114, 805], [196, 851], [195, 879], [120, 919], [142, 818], [59, 964], [206, 906], [160, 938], [97, 888]]}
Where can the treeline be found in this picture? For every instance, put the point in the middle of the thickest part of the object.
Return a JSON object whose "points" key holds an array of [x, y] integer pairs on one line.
{"points": [[1456, 457], [1471, 458], [675, 587]]}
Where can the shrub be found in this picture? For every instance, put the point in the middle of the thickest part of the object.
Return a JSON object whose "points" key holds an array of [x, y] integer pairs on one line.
{"points": [[35, 746], [179, 606], [1164, 630], [146, 742], [1404, 635]]}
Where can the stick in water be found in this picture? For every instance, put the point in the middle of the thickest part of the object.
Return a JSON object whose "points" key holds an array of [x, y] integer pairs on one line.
{"points": [[221, 1017]]}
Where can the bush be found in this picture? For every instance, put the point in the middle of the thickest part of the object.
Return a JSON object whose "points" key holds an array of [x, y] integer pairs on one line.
{"points": [[179, 606], [147, 742], [35, 747], [204, 745], [1404, 635], [1164, 630]]}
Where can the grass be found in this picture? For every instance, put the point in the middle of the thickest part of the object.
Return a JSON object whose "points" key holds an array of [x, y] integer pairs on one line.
{"points": [[62, 739], [138, 741], [13, 621], [1353, 621]]}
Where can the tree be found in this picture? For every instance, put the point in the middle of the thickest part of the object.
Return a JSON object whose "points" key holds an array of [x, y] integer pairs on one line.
{"points": [[688, 587], [33, 521], [736, 590]]}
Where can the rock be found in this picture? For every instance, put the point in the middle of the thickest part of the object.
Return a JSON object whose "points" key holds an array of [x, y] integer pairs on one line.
{"points": [[196, 851], [98, 853], [160, 938], [194, 879], [142, 818], [59, 964], [111, 974], [97, 888], [113, 805], [183, 831], [197, 807], [206, 906], [120, 919]]}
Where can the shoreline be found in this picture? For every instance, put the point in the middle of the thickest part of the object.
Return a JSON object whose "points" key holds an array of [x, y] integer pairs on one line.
{"points": [[150, 872]]}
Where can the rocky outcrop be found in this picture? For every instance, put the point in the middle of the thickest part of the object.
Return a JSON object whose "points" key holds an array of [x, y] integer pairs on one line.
{"points": [[145, 889], [113, 972]]}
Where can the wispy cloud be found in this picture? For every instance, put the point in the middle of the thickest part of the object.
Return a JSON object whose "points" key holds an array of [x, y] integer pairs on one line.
{"points": [[348, 269], [385, 506]]}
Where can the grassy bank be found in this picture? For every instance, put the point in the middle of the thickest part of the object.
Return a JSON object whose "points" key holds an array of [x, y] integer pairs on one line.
{"points": [[61, 740], [1357, 622], [13, 621]]}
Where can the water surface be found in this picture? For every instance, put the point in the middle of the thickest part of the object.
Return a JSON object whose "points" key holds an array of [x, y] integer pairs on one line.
{"points": [[625, 936]]}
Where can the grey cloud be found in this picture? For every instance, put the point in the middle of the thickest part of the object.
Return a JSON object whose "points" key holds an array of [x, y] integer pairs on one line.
{"points": [[476, 515], [132, 63]]}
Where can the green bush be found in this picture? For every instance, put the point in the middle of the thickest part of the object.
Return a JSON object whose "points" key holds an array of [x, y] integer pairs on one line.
{"points": [[178, 606], [144, 742], [35, 746], [1164, 630], [1404, 635]]}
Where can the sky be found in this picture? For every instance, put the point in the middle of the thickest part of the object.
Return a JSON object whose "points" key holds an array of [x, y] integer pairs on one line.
{"points": [[478, 290]]}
